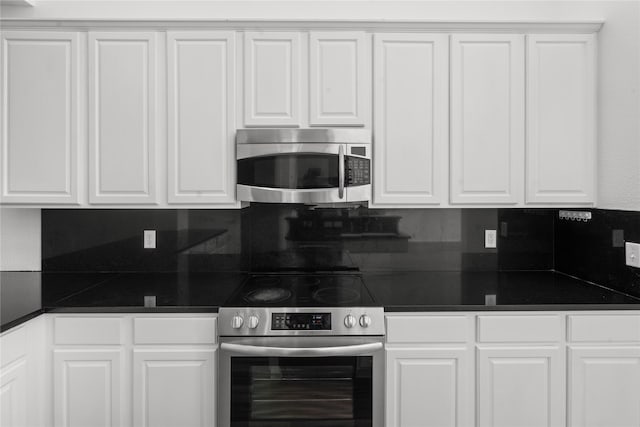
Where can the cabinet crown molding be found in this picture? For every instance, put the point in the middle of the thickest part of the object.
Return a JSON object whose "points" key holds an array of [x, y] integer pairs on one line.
{"points": [[538, 26]]}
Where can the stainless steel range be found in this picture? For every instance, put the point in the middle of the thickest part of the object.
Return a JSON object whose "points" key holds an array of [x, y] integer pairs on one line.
{"points": [[301, 350]]}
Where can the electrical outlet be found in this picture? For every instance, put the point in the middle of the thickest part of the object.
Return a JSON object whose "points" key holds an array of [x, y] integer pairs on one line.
{"points": [[490, 239], [632, 254], [149, 239]]}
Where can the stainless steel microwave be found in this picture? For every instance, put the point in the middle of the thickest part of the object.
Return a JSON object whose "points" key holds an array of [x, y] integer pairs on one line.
{"points": [[303, 165]]}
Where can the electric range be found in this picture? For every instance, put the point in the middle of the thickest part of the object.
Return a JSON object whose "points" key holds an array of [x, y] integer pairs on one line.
{"points": [[301, 349]]}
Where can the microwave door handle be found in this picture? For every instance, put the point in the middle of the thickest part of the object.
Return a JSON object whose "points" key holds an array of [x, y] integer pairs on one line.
{"points": [[349, 350], [341, 172]]}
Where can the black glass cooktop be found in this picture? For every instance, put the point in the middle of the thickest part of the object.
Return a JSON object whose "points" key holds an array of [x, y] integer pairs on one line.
{"points": [[302, 290]]}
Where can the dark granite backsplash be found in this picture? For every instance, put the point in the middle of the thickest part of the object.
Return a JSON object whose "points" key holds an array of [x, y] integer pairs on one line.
{"points": [[594, 250], [295, 237], [267, 237]]}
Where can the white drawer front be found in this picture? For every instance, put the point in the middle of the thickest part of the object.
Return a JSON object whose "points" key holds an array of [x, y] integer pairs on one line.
{"points": [[604, 327], [519, 328], [185, 330], [13, 345], [88, 330], [426, 329]]}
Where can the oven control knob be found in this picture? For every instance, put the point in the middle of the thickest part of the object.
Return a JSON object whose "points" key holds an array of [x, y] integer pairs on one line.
{"points": [[349, 321], [253, 322], [237, 322], [365, 321]]}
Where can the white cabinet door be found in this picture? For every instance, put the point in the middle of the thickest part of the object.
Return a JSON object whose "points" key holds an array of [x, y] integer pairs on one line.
{"points": [[122, 117], [39, 117], [561, 118], [174, 388], [339, 79], [410, 119], [520, 386], [88, 388], [487, 118], [272, 79], [429, 387], [13, 395], [201, 157], [604, 386]]}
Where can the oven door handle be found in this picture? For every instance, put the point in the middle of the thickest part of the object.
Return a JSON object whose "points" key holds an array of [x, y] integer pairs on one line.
{"points": [[341, 172], [348, 350]]}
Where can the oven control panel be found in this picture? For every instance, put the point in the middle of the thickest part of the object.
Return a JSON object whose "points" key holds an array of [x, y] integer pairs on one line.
{"points": [[301, 321]]}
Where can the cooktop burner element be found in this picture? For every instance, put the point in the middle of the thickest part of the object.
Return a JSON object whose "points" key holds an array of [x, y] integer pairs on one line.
{"points": [[268, 295], [302, 290], [336, 296]]}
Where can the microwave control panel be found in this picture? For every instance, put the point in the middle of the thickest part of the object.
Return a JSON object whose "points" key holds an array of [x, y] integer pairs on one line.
{"points": [[301, 321], [358, 171]]}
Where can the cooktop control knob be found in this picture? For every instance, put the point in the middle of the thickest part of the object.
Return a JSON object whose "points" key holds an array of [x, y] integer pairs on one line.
{"points": [[365, 321], [237, 321], [349, 321], [253, 321]]}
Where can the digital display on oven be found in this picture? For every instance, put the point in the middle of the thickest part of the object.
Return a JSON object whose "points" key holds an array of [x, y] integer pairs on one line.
{"points": [[301, 321]]}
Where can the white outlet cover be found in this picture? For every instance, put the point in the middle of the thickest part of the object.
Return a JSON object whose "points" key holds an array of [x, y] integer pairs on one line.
{"points": [[632, 254], [149, 239], [490, 238]]}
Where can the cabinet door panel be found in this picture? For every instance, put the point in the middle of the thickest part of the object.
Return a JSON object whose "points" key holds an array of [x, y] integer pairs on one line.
{"points": [[271, 79], [173, 388], [87, 388], [40, 117], [201, 74], [13, 395], [561, 118], [410, 118], [520, 386], [338, 80], [487, 118], [429, 387], [604, 386], [122, 117]]}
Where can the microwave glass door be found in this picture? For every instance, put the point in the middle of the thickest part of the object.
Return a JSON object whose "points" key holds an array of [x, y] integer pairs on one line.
{"points": [[290, 170], [301, 391]]}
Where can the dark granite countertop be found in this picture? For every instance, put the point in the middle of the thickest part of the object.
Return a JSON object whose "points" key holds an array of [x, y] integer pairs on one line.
{"points": [[521, 290], [24, 295]]}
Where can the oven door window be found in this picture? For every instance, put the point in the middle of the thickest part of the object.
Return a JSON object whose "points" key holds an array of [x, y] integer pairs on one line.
{"points": [[301, 391], [291, 171]]}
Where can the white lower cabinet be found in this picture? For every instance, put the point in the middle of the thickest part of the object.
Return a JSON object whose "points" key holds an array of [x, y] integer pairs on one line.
{"points": [[134, 370], [604, 386], [530, 369], [23, 380], [88, 387], [13, 394], [174, 387], [520, 386], [429, 387]]}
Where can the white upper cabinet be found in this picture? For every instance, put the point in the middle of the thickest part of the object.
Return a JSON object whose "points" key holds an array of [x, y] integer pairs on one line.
{"points": [[40, 119], [122, 117], [339, 79], [561, 118], [487, 118], [272, 79], [201, 81], [410, 119]]}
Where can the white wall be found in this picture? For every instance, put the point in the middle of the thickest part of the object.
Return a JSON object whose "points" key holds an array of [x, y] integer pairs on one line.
{"points": [[618, 68], [20, 238]]}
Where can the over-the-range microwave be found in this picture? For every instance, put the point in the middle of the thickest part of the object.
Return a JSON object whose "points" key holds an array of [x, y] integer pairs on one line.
{"points": [[303, 165]]}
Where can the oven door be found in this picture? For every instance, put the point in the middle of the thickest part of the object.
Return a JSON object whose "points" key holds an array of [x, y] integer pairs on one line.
{"points": [[302, 173], [301, 381]]}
